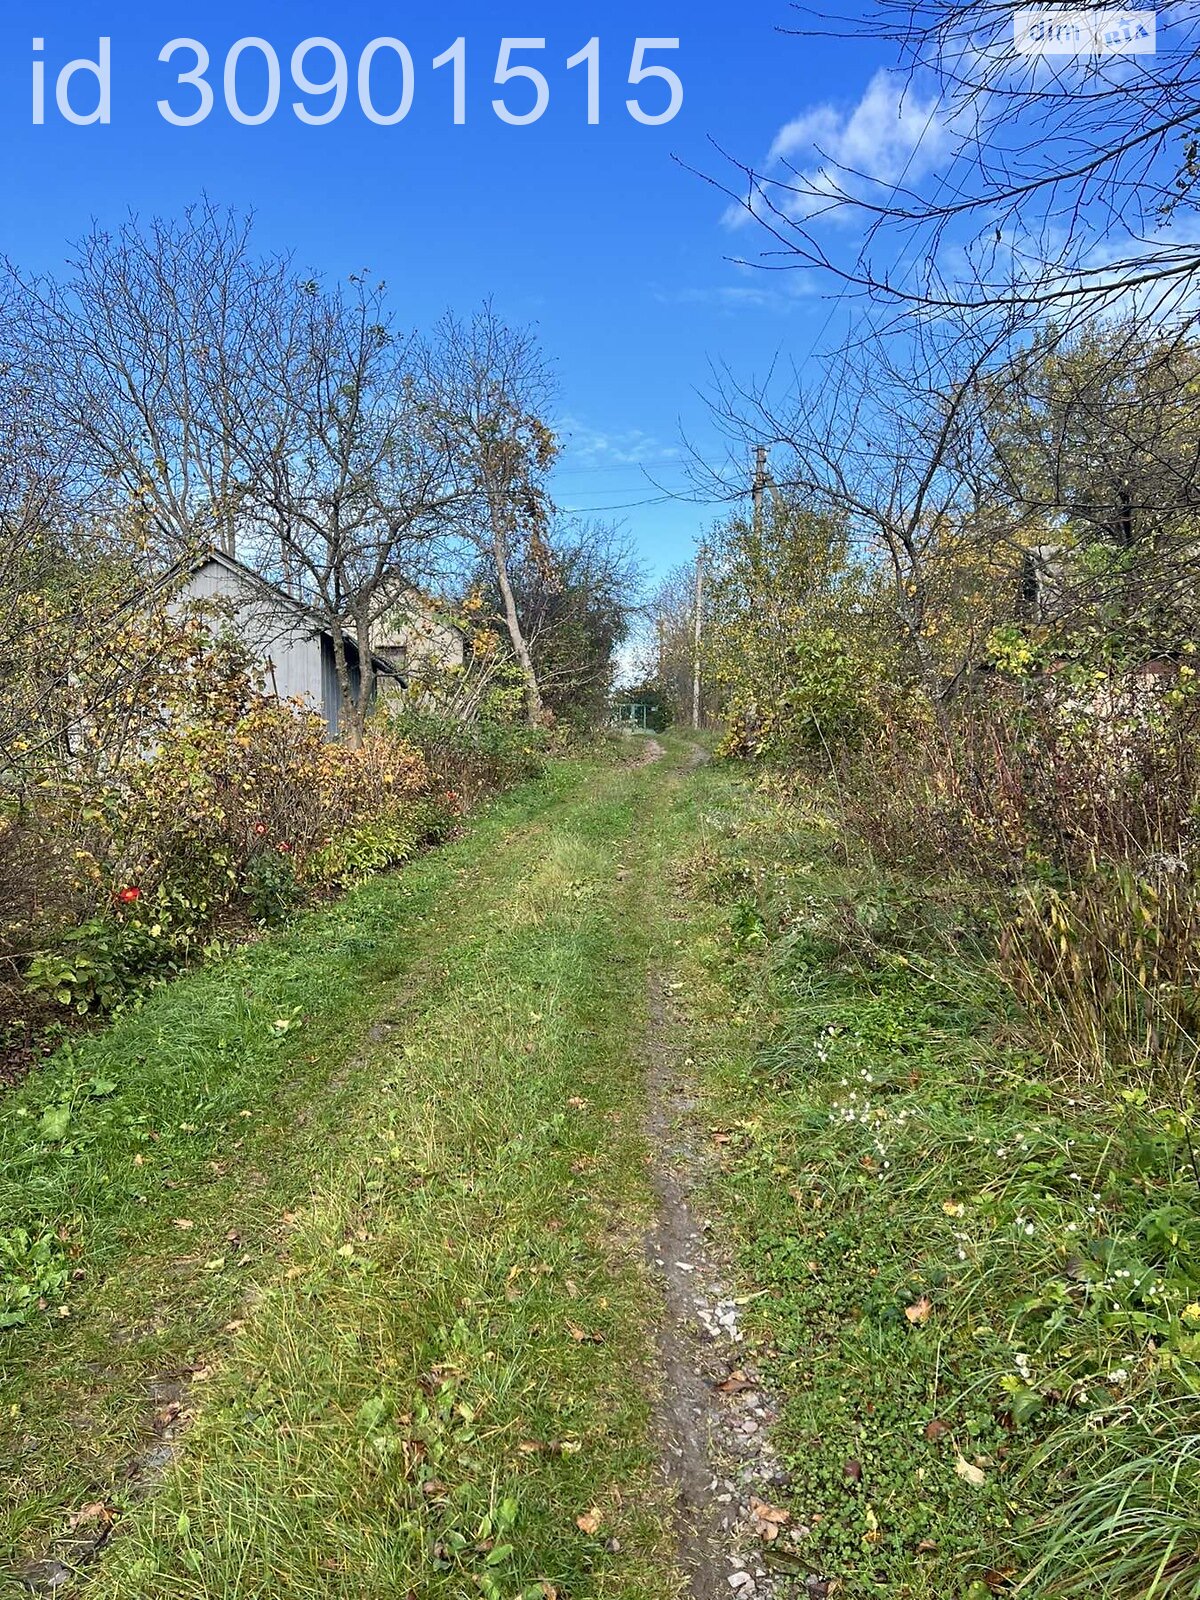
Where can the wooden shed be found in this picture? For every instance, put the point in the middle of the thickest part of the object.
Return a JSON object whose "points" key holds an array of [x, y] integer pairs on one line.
{"points": [[290, 641]]}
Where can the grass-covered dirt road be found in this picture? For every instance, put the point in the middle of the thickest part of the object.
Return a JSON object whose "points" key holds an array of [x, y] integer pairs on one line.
{"points": [[635, 1199], [328, 1266]]}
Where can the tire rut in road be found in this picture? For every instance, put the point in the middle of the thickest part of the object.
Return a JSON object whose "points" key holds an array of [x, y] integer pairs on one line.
{"points": [[712, 1417]]}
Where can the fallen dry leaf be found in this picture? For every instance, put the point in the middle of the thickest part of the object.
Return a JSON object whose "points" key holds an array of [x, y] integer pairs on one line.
{"points": [[184, 1223], [927, 1547], [582, 1336], [919, 1311], [998, 1578], [735, 1383], [97, 1511], [768, 1520], [937, 1429], [590, 1521], [969, 1473]]}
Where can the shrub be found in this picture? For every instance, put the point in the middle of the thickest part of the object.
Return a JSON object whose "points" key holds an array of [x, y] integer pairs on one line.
{"points": [[377, 844], [194, 799], [102, 963], [209, 800], [271, 886], [470, 757]]}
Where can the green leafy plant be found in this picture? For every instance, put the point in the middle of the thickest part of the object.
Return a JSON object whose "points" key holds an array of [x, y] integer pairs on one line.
{"points": [[378, 845], [271, 886], [33, 1268], [100, 965]]}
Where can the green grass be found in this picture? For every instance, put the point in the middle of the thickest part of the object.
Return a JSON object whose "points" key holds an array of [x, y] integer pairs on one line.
{"points": [[980, 1283], [373, 1192], [367, 1201]]}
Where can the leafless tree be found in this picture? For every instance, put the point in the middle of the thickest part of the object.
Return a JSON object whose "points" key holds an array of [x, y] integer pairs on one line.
{"points": [[209, 395], [350, 472], [217, 397], [885, 442], [493, 388], [147, 347], [1067, 182]]}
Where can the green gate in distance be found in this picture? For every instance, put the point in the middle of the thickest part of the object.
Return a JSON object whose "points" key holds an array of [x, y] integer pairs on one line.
{"points": [[631, 714]]}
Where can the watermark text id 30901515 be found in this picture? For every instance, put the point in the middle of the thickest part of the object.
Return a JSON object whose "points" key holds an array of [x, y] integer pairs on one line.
{"points": [[318, 80]]}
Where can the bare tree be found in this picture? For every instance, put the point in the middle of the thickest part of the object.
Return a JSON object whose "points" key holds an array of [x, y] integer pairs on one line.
{"points": [[885, 443], [216, 397], [74, 658], [1068, 182], [147, 350], [350, 471], [492, 389]]}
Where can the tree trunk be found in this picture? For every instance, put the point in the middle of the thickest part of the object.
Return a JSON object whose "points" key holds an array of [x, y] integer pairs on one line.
{"points": [[533, 694], [349, 720], [366, 680]]}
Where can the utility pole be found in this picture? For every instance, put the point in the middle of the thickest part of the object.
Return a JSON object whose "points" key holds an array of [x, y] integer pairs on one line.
{"points": [[699, 636], [760, 483]]}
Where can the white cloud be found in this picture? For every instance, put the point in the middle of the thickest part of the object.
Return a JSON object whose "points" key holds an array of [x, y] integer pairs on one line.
{"points": [[783, 293], [892, 135], [629, 447]]}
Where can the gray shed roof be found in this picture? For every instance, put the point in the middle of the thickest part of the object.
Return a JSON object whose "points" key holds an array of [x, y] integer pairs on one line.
{"points": [[187, 566]]}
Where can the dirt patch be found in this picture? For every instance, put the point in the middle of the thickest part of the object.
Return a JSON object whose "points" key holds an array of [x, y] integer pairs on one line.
{"points": [[712, 1415], [648, 750], [91, 1527]]}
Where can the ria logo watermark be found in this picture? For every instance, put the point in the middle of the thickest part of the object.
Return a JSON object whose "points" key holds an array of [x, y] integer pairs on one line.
{"points": [[1041, 31]]}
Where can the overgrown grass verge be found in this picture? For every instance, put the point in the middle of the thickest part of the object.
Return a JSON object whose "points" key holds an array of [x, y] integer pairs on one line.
{"points": [[980, 1278], [394, 1267]]}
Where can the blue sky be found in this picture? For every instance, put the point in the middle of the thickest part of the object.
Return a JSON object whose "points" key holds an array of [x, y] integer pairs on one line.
{"points": [[598, 235]]}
